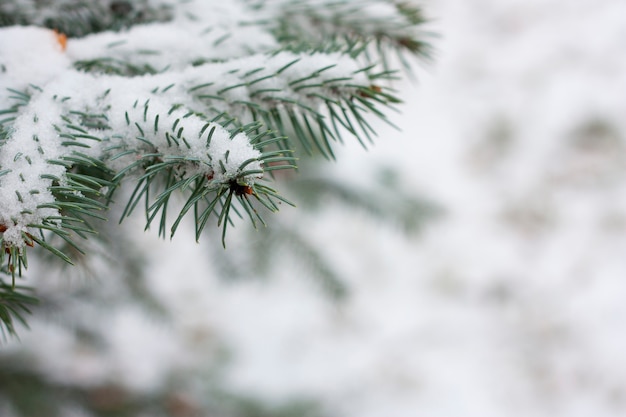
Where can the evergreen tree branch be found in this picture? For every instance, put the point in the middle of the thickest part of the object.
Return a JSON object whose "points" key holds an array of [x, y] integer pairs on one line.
{"points": [[201, 103]]}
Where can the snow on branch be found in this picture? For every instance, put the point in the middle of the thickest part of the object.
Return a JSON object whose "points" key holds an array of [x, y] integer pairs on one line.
{"points": [[200, 100], [112, 123], [64, 124]]}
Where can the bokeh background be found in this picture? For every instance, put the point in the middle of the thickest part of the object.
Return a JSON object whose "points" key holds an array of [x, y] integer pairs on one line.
{"points": [[474, 265]]}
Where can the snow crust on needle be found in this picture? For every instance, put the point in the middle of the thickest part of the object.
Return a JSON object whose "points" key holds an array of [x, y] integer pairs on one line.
{"points": [[22, 190], [178, 134]]}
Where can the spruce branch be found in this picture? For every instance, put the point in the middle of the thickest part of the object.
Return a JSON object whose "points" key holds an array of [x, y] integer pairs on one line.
{"points": [[192, 105]]}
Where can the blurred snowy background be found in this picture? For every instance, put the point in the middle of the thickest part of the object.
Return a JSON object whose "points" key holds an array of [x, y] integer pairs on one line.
{"points": [[510, 303]]}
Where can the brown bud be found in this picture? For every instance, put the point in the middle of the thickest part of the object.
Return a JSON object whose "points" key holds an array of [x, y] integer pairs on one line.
{"points": [[61, 39]]}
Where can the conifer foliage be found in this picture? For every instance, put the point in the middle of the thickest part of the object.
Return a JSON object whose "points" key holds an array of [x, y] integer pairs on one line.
{"points": [[199, 99]]}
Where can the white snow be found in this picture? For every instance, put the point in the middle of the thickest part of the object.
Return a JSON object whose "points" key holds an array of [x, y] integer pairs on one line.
{"points": [[512, 305]]}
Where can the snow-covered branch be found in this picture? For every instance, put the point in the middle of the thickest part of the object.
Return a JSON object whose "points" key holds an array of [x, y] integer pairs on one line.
{"points": [[196, 98]]}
